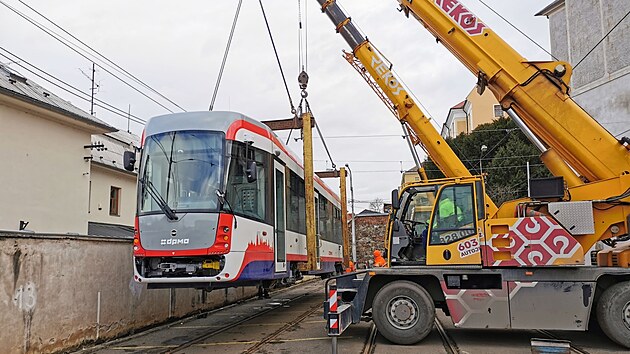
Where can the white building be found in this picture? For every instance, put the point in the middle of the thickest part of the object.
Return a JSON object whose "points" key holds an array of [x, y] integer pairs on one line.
{"points": [[53, 180], [601, 80], [112, 204]]}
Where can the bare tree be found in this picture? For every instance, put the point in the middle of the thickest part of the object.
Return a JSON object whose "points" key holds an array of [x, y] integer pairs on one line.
{"points": [[377, 205]]}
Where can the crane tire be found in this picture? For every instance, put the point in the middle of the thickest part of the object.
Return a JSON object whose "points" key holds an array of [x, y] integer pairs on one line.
{"points": [[613, 313], [403, 312]]}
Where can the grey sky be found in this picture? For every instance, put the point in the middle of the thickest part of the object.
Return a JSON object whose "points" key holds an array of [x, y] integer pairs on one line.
{"points": [[177, 48]]}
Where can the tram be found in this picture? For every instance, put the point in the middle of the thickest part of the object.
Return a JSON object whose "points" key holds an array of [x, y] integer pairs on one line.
{"points": [[221, 203]]}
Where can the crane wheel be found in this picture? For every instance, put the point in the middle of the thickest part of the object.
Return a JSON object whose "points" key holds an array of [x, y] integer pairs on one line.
{"points": [[403, 312], [613, 313]]}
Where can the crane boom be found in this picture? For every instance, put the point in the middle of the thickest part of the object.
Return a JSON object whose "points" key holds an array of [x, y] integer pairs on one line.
{"points": [[537, 91], [407, 110]]}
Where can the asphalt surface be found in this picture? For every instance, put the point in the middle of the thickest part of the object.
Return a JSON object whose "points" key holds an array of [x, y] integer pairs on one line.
{"points": [[291, 322]]}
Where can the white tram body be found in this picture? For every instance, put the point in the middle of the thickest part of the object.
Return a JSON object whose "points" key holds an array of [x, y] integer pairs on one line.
{"points": [[205, 219]]}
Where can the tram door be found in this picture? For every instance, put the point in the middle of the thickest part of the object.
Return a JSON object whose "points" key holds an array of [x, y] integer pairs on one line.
{"points": [[279, 237]]}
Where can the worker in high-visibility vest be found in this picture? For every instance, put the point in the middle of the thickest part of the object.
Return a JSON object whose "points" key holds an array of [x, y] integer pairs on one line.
{"points": [[449, 214], [379, 261], [351, 267]]}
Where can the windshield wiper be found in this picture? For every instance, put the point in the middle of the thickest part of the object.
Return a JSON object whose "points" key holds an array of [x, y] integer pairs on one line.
{"points": [[157, 197], [223, 201]]}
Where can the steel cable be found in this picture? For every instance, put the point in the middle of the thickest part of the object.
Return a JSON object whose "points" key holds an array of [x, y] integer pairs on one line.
{"points": [[225, 55]]}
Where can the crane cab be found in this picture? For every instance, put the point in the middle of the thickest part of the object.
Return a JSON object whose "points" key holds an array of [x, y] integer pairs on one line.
{"points": [[438, 222]]}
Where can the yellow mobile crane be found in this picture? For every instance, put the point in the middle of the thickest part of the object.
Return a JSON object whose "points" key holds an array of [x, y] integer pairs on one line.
{"points": [[497, 268]]}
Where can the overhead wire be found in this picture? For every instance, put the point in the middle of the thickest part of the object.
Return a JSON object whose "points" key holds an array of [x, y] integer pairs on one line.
{"points": [[109, 61], [516, 28], [81, 95], [225, 55], [72, 46]]}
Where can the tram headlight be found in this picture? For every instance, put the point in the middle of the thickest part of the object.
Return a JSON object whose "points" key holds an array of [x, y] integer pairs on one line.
{"points": [[226, 229], [135, 248], [226, 245]]}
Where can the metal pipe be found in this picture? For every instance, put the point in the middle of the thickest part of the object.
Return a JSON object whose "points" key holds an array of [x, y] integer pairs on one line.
{"points": [[414, 153], [549, 157], [354, 238], [525, 129]]}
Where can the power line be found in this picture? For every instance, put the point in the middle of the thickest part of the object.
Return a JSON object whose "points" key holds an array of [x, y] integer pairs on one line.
{"points": [[601, 40], [108, 61], [472, 160], [82, 95], [519, 31], [69, 45]]}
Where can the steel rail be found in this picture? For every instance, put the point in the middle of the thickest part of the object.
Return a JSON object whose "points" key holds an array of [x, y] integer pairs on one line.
{"points": [[227, 327], [286, 327], [370, 342], [448, 342]]}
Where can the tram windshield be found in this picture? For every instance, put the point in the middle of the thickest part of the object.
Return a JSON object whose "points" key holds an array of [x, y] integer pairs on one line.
{"points": [[184, 169]]}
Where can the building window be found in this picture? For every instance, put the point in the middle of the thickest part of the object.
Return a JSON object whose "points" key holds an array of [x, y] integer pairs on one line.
{"points": [[114, 201], [498, 111]]}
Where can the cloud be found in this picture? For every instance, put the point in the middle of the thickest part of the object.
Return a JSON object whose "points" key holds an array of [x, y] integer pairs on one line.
{"points": [[177, 48]]}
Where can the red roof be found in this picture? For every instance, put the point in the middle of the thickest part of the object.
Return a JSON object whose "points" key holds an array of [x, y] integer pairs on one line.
{"points": [[459, 105]]}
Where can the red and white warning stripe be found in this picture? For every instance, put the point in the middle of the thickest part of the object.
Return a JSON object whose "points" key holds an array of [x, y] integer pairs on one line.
{"points": [[332, 300], [334, 323]]}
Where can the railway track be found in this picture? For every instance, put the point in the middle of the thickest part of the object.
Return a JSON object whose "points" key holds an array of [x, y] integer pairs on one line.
{"points": [[449, 344], [198, 331], [200, 338]]}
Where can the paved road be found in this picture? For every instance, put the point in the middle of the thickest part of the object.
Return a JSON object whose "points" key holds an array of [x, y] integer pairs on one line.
{"points": [[291, 322]]}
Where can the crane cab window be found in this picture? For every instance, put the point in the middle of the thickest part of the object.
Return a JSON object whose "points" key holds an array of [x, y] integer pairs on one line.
{"points": [[453, 215]]}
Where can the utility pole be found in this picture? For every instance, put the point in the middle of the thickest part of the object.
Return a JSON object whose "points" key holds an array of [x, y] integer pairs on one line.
{"points": [[93, 89], [129, 119]]}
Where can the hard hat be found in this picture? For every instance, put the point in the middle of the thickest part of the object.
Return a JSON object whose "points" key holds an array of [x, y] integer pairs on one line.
{"points": [[377, 253]]}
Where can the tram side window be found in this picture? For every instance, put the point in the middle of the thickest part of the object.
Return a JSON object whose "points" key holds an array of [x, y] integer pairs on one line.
{"points": [[296, 208], [454, 215], [245, 198], [337, 225], [323, 218]]}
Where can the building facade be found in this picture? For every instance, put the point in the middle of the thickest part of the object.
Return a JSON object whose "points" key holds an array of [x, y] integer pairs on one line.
{"points": [[601, 80], [112, 199], [475, 110], [46, 165]]}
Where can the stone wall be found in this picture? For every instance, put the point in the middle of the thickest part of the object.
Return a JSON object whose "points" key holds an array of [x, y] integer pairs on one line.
{"points": [[60, 291], [370, 235]]}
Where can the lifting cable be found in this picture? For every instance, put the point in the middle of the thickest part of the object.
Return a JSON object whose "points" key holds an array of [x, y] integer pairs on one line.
{"points": [[286, 87], [302, 59], [225, 55], [308, 108]]}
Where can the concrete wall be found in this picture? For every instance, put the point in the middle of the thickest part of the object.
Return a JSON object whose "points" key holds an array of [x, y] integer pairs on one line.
{"points": [[49, 290], [601, 82], [102, 179], [45, 179]]}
